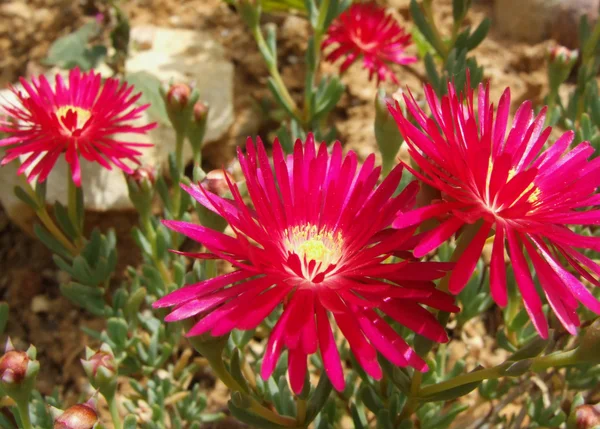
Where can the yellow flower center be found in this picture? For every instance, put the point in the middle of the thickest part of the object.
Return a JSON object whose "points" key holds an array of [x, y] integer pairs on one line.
{"points": [[310, 243], [82, 116]]}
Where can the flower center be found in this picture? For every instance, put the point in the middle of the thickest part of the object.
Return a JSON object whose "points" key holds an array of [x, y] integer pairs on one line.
{"points": [[496, 206], [73, 119], [317, 249]]}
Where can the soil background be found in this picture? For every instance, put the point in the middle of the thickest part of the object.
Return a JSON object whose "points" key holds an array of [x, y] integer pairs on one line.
{"points": [[28, 277]]}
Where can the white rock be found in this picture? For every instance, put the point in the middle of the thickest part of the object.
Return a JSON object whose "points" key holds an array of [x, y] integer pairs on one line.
{"points": [[536, 20], [180, 55]]}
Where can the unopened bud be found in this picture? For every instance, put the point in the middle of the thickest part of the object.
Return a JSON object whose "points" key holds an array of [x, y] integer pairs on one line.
{"points": [[13, 366], [216, 182], [560, 63], [197, 129], [560, 53], [80, 416], [587, 416], [101, 369], [200, 111], [178, 96], [102, 360], [143, 174]]}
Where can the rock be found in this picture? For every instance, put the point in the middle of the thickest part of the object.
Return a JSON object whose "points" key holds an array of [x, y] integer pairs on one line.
{"points": [[181, 55], [567, 17], [40, 304], [536, 20], [16, 9]]}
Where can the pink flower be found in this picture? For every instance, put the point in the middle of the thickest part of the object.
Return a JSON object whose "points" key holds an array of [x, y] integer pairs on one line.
{"points": [[511, 185], [366, 30], [74, 119], [316, 241]]}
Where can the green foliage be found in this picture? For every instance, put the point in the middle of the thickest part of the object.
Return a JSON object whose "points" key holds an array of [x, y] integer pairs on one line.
{"points": [[73, 50], [149, 86]]}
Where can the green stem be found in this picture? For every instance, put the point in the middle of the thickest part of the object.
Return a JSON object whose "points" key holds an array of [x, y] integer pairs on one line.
{"points": [[318, 37], [413, 400], [439, 42], [47, 221], [114, 411], [72, 201], [179, 140], [274, 72], [483, 374], [300, 412], [554, 360], [539, 364], [23, 408]]}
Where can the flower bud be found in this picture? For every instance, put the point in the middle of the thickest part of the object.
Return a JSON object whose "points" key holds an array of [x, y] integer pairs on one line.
{"points": [[216, 181], [143, 174], [560, 63], [80, 416], [197, 129], [178, 96], [179, 101], [562, 54], [101, 369], [200, 111], [13, 366], [587, 416]]}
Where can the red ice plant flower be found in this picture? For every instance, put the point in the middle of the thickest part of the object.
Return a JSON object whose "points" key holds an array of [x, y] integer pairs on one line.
{"points": [[511, 185], [78, 117], [366, 30], [316, 240]]}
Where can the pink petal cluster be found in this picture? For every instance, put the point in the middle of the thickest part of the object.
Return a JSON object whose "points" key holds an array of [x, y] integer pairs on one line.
{"points": [[515, 186], [316, 240], [76, 118], [365, 30]]}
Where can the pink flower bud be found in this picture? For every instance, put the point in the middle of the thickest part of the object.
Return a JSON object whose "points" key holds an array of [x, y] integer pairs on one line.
{"points": [[102, 359], [13, 366], [587, 416], [80, 416], [200, 111], [178, 95], [144, 173], [216, 181], [562, 54]]}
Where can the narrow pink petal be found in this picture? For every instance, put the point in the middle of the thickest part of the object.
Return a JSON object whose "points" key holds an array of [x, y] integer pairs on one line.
{"points": [[329, 351], [468, 260], [498, 269], [533, 303]]}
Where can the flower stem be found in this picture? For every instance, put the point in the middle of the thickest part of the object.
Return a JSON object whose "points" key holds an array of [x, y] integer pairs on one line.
{"points": [[114, 411], [23, 408], [179, 140], [319, 32], [273, 71], [554, 360], [300, 411], [438, 41], [483, 374], [413, 400], [47, 221], [539, 364]]}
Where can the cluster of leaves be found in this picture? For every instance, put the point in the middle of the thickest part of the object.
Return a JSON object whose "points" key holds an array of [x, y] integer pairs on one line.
{"points": [[452, 52]]}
